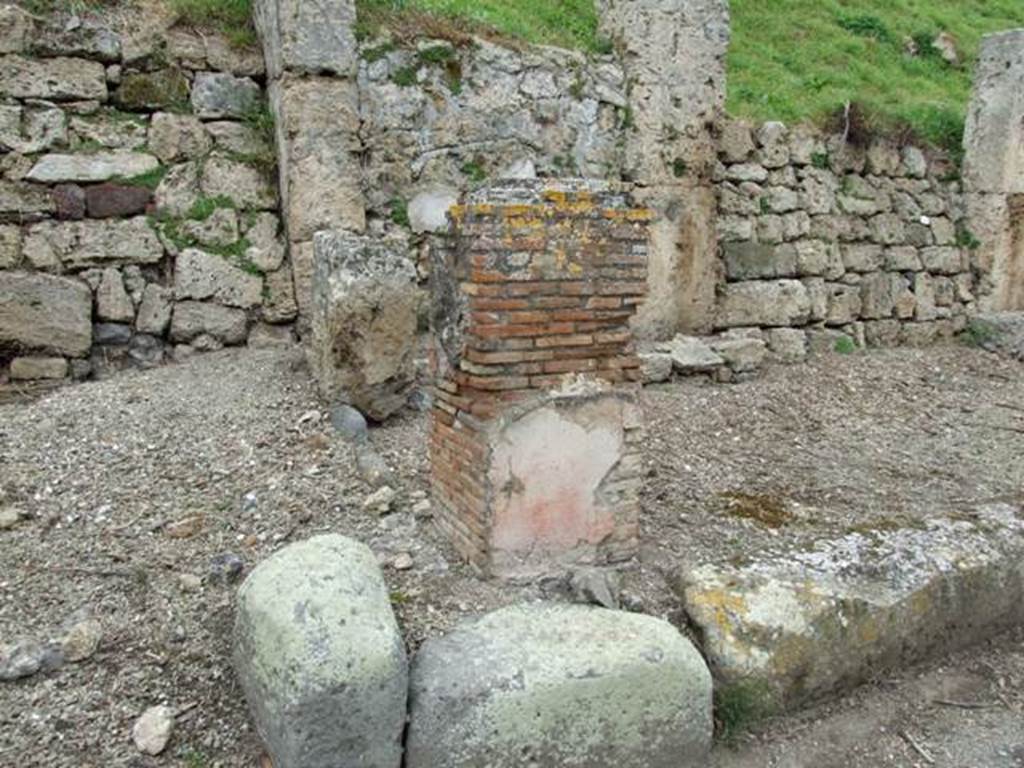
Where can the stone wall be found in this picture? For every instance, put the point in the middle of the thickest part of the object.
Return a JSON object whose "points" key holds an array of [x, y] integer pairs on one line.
{"points": [[137, 213], [818, 234]]}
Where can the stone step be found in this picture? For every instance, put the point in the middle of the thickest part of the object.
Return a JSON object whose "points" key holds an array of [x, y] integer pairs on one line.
{"points": [[796, 625]]}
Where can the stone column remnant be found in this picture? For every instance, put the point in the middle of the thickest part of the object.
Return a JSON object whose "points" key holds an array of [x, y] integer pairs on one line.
{"points": [[994, 170], [535, 437], [364, 317]]}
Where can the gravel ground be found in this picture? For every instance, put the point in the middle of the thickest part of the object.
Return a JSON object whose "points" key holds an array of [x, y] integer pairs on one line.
{"points": [[133, 486]]}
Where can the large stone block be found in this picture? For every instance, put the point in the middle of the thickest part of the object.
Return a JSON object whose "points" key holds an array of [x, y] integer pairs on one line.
{"points": [[561, 685], [220, 94], [993, 161], [308, 38], [802, 622], [102, 166], [44, 312], [31, 129], [247, 186], [59, 79], [763, 302], [365, 307], [997, 221], [320, 657], [318, 146], [79, 244]]}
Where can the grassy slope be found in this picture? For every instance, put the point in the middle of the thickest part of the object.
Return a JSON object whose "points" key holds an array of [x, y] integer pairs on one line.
{"points": [[792, 60]]}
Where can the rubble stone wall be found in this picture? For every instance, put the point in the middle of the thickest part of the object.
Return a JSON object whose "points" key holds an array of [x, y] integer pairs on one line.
{"points": [[138, 217], [817, 234]]}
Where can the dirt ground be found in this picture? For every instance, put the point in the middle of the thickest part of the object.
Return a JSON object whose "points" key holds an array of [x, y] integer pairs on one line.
{"points": [[134, 485]]}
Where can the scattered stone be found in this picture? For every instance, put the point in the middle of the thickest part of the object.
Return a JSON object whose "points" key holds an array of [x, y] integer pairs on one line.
{"points": [[379, 502], [655, 367], [189, 582], [945, 44], [646, 702], [320, 657], [152, 730], [788, 345], [185, 528], [102, 166], [82, 639], [690, 355], [9, 517], [349, 422], [365, 310], [741, 355], [226, 568], [21, 660], [105, 201], [220, 94], [37, 368], [423, 509], [403, 562], [595, 586]]}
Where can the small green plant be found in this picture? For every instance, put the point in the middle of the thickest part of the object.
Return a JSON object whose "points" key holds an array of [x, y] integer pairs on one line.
{"points": [[866, 25], [738, 706], [679, 167], [625, 118], [966, 239], [194, 758], [405, 77], [764, 205], [474, 171], [436, 54], [980, 334], [820, 160], [400, 212], [845, 345], [398, 597], [204, 207], [371, 55], [260, 119], [149, 180]]}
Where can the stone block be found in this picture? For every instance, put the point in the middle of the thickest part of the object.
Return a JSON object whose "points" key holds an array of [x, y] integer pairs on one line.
{"points": [[995, 130], [751, 261], [175, 137], [217, 95], [154, 313], [102, 166], [45, 312], [35, 368], [57, 79], [247, 186], [811, 621], [320, 657], [560, 685], [112, 300], [104, 201], [191, 319], [787, 345], [29, 129], [199, 275], [365, 309], [308, 38], [80, 244], [16, 27], [145, 91], [770, 303], [10, 246], [70, 202]]}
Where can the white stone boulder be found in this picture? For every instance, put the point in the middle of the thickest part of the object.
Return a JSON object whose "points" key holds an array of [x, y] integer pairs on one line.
{"points": [[320, 658], [553, 685], [365, 307]]}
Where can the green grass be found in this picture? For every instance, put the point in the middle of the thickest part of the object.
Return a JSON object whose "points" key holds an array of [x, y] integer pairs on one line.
{"points": [[232, 18], [802, 59], [565, 23]]}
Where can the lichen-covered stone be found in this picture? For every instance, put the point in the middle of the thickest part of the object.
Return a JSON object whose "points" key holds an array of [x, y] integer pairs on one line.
{"points": [[365, 307], [29, 129], [45, 312], [58, 79], [308, 38], [221, 94], [79, 244], [320, 657], [143, 91], [798, 623], [548, 684], [247, 186]]}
